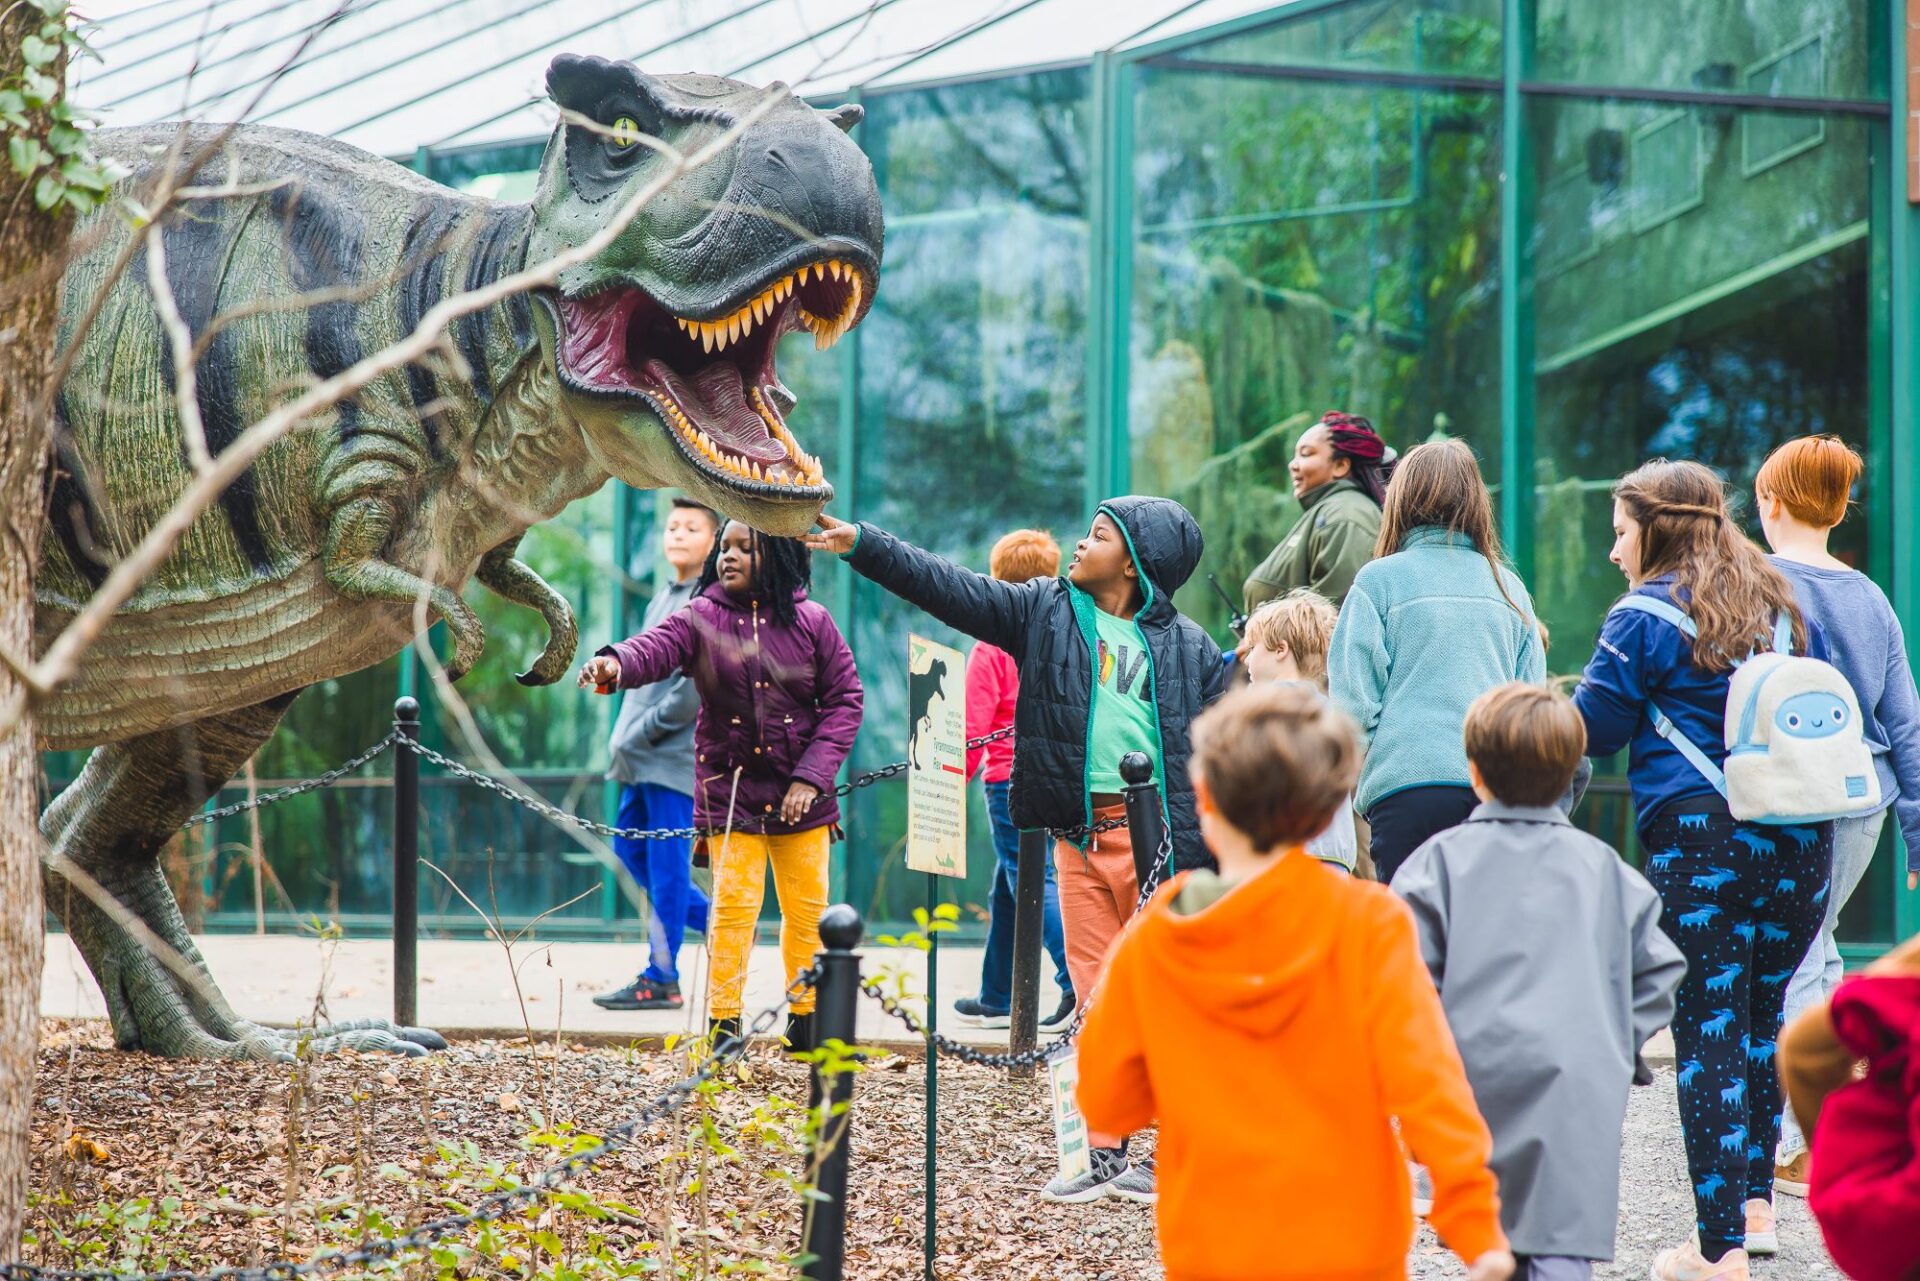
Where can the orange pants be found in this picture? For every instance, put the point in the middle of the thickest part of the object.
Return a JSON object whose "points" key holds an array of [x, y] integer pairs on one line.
{"points": [[1098, 888], [740, 862]]}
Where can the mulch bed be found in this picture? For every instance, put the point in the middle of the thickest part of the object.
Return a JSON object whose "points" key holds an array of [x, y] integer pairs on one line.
{"points": [[238, 1141]]}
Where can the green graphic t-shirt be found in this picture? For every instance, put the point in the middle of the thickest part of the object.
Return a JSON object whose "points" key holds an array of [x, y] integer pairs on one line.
{"points": [[1123, 717]]}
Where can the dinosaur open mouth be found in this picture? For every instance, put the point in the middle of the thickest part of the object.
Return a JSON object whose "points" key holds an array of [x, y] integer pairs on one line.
{"points": [[713, 381]]}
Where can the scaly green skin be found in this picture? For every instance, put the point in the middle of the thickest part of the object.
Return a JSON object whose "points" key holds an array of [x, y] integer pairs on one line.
{"points": [[359, 529]]}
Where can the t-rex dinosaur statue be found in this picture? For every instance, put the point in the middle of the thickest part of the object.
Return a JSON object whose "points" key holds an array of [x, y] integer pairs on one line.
{"points": [[652, 362]]}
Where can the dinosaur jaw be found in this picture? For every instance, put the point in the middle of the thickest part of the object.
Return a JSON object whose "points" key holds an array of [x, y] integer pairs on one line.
{"points": [[713, 382]]}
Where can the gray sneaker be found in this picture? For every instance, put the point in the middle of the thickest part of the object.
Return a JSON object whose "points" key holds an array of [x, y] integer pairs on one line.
{"points": [[1135, 1183], [1422, 1190], [1104, 1166]]}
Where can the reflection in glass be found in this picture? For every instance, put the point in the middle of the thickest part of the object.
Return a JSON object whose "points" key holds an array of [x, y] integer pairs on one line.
{"points": [[1302, 246], [1777, 48]]}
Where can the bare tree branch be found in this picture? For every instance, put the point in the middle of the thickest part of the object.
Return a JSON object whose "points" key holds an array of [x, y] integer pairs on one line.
{"points": [[186, 393]]}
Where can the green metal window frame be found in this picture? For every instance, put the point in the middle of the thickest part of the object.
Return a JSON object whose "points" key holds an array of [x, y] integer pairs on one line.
{"points": [[1894, 361]]}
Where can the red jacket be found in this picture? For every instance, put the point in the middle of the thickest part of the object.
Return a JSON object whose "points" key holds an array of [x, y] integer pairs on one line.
{"points": [[777, 703], [993, 687], [1864, 1181]]}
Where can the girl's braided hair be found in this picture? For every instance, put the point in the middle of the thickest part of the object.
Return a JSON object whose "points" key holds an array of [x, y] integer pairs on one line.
{"points": [[783, 568]]}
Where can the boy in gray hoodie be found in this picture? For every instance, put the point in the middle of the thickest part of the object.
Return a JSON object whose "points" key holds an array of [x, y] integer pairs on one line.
{"points": [[1553, 973]]}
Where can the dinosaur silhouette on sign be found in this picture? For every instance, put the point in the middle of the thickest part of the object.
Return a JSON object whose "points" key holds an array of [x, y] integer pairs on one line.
{"points": [[922, 689]]}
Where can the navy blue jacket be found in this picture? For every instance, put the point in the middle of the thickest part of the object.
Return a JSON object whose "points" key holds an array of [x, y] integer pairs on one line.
{"points": [[1640, 659], [1046, 624]]}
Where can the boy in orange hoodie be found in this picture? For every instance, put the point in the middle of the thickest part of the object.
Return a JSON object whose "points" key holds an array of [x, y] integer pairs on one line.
{"points": [[1305, 1022]]}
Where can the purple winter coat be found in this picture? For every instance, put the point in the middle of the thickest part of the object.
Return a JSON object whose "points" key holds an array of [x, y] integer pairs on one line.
{"points": [[778, 703]]}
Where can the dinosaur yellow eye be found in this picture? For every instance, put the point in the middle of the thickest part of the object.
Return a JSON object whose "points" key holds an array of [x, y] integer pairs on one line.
{"points": [[626, 131]]}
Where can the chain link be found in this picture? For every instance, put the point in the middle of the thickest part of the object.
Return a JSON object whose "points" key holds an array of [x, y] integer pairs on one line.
{"points": [[491, 1206], [327, 779], [1162, 863], [553, 812]]}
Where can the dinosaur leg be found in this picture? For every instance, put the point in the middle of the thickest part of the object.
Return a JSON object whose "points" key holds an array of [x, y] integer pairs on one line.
{"points": [[357, 539], [109, 827], [514, 580]]}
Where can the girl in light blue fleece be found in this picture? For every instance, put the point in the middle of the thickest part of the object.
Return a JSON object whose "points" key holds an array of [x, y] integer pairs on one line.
{"points": [[1435, 622], [1803, 490]]}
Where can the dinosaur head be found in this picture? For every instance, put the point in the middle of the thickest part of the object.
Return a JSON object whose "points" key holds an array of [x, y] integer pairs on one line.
{"points": [[664, 342]]}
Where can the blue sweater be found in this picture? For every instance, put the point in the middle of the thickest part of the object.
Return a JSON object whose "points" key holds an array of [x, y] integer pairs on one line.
{"points": [[1640, 659], [1871, 653], [1422, 634]]}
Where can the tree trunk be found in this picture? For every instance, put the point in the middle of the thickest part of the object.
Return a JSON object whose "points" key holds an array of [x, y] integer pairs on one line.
{"points": [[32, 244]]}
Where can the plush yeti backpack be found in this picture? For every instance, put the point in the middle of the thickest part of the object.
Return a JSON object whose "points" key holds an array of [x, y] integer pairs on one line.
{"points": [[1796, 752]]}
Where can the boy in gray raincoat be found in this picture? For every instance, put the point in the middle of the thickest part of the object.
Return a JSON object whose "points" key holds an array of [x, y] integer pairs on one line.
{"points": [[1553, 973]]}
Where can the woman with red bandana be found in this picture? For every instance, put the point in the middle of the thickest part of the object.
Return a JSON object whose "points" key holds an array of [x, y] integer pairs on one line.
{"points": [[1339, 470]]}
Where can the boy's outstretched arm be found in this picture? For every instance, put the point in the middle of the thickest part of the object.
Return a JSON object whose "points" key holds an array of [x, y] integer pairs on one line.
{"points": [[1426, 1086], [982, 607]]}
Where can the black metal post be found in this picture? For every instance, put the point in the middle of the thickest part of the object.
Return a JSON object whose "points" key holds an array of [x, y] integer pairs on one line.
{"points": [[929, 1233], [1029, 905], [1145, 823], [839, 989], [406, 868]]}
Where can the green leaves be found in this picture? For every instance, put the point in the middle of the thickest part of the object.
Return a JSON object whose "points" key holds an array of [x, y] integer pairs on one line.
{"points": [[46, 148]]}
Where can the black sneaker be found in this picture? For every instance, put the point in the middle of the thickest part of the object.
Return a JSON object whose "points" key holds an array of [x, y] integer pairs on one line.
{"points": [[800, 1036], [1061, 1017], [975, 1014], [641, 994]]}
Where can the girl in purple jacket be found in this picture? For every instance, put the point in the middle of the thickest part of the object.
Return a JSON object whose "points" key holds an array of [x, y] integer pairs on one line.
{"points": [[780, 705]]}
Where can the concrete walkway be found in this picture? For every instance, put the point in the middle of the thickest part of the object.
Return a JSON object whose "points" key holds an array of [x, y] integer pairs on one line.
{"points": [[468, 988]]}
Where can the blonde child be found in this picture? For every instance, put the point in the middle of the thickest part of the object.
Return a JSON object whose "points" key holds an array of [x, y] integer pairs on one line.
{"points": [[1287, 641]]}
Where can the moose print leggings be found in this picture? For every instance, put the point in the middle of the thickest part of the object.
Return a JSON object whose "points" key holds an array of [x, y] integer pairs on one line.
{"points": [[1743, 901]]}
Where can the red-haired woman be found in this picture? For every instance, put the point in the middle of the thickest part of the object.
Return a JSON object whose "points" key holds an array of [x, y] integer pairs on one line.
{"points": [[1339, 470]]}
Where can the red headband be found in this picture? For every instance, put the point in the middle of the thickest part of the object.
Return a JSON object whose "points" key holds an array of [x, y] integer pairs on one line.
{"points": [[1354, 436]]}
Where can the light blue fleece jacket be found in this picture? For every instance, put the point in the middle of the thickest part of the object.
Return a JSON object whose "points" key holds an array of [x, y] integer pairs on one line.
{"points": [[1422, 634]]}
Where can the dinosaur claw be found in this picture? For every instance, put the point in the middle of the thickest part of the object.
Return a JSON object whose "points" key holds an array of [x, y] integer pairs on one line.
{"points": [[531, 678]]}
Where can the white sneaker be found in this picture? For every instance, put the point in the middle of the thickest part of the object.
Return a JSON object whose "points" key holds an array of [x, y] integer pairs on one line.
{"points": [[1763, 1232], [1686, 1263]]}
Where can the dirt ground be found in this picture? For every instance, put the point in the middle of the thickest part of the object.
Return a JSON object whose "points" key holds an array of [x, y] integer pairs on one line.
{"points": [[219, 1137]]}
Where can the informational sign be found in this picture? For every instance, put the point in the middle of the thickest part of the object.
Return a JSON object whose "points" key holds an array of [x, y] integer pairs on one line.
{"points": [[1069, 1127], [936, 758]]}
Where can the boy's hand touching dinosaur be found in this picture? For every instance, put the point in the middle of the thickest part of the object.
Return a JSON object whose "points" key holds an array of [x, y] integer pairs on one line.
{"points": [[835, 536], [602, 671]]}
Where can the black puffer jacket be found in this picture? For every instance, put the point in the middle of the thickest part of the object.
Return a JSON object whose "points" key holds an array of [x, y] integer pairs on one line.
{"points": [[1047, 625]]}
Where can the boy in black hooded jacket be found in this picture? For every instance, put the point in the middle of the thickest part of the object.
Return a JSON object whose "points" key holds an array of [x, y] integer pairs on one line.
{"points": [[1107, 665]]}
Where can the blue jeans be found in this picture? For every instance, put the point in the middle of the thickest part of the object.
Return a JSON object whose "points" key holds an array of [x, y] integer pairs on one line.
{"points": [[996, 970], [664, 869]]}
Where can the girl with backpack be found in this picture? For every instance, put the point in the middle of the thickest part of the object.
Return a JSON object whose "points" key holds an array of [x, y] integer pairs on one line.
{"points": [[1742, 899], [1433, 623]]}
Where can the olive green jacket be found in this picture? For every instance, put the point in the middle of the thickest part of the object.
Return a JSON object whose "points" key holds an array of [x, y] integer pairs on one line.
{"points": [[1325, 548]]}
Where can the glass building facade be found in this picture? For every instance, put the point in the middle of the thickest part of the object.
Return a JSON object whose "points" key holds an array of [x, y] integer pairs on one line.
{"points": [[1572, 235]]}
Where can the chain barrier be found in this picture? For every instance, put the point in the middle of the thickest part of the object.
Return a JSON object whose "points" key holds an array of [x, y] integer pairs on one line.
{"points": [[327, 779], [1162, 863], [554, 813], [488, 1208]]}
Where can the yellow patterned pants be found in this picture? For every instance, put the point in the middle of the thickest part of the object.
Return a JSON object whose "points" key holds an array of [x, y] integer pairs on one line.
{"points": [[740, 862]]}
